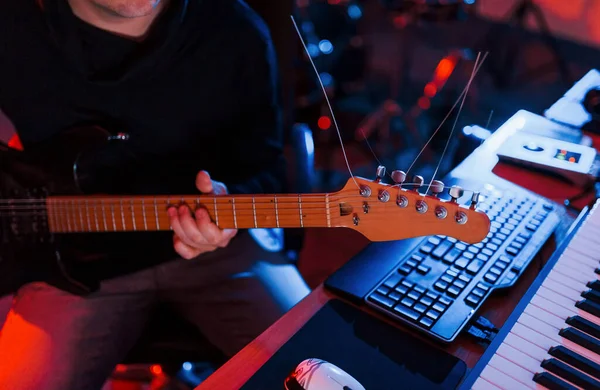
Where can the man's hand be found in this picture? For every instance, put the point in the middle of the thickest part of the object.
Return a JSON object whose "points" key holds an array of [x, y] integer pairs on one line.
{"points": [[194, 236]]}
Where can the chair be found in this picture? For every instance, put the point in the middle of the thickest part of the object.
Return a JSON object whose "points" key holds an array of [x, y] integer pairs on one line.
{"points": [[169, 341]]}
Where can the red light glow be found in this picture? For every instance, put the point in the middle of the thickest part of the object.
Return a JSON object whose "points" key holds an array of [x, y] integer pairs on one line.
{"points": [[324, 123], [424, 103], [430, 90]]}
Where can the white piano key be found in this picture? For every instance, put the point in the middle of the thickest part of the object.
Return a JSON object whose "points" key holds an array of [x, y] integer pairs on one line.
{"points": [[567, 281], [482, 384], [576, 273], [560, 289], [563, 312], [589, 261], [525, 346], [501, 380], [520, 358], [539, 327], [556, 298], [513, 370], [581, 266], [586, 248], [544, 316]]}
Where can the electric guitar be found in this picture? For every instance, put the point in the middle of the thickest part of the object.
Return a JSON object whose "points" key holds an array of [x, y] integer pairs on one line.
{"points": [[54, 190]]}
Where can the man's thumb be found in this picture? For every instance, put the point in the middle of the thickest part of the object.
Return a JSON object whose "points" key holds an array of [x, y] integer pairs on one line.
{"points": [[204, 183]]}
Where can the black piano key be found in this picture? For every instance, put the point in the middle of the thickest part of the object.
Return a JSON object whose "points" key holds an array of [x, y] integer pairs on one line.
{"points": [[597, 270], [578, 337], [552, 382], [576, 360], [592, 295], [584, 325], [570, 374], [589, 306], [595, 285]]}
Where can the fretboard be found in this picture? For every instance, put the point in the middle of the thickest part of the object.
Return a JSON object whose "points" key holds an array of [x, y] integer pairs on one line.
{"points": [[149, 213]]}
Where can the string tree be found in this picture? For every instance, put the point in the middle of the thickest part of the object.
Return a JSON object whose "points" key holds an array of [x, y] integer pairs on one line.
{"points": [[418, 182], [437, 187], [398, 177]]}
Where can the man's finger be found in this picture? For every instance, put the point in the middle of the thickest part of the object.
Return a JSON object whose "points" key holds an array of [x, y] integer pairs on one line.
{"points": [[175, 221], [190, 227], [185, 251], [209, 230]]}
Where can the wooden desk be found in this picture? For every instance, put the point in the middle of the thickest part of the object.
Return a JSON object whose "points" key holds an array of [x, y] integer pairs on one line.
{"points": [[239, 369]]}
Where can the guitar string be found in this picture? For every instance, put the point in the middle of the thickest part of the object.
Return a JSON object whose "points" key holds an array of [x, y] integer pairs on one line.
{"points": [[464, 98], [326, 99]]}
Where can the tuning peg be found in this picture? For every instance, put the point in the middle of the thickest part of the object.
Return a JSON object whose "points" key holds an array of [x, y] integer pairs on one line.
{"points": [[398, 177], [455, 192], [418, 181], [380, 174], [474, 200], [437, 187]]}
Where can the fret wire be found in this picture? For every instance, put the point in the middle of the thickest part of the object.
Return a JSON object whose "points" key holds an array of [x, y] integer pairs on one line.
{"points": [[50, 213], [133, 215], [254, 212], [216, 211], [112, 212], [300, 204], [68, 219], [328, 210], [122, 213], [144, 215], [80, 214], [156, 214], [234, 215], [104, 216], [276, 212], [87, 214], [96, 217]]}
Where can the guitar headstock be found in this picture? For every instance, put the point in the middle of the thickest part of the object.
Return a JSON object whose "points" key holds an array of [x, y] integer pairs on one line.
{"points": [[385, 212]]}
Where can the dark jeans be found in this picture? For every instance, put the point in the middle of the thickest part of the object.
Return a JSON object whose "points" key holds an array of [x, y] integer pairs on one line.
{"points": [[53, 340]]}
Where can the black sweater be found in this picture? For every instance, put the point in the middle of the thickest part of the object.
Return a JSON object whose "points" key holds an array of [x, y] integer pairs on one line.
{"points": [[201, 90]]}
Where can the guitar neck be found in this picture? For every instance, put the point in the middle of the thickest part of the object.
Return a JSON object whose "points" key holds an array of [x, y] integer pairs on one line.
{"points": [[149, 213]]}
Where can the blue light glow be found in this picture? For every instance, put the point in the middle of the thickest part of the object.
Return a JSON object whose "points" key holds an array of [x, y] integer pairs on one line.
{"points": [[354, 11], [313, 50], [187, 366], [326, 79], [326, 46]]}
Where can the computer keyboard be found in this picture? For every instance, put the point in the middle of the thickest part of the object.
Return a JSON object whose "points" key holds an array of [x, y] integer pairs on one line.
{"points": [[439, 285]]}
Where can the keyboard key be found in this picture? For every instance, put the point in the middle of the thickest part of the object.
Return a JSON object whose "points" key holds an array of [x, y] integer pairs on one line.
{"points": [[420, 289], [501, 236], [459, 284], [461, 263], [451, 239], [487, 252], [526, 235], [412, 263], [531, 227], [490, 278], [451, 256], [445, 300], [492, 247], [516, 245], [496, 271], [407, 284], [434, 240], [501, 264], [468, 255], [420, 307], [414, 295], [426, 301], [401, 289], [453, 273], [550, 381], [460, 246], [495, 241], [482, 286], [433, 295], [383, 290], [395, 295], [405, 311], [426, 321], [520, 240], [584, 325], [407, 302], [478, 292], [440, 285], [426, 249], [483, 257], [405, 269], [434, 315], [447, 278], [472, 300], [453, 291], [423, 269], [441, 249], [439, 307], [474, 266], [464, 278], [584, 364], [589, 306], [473, 249], [381, 300], [393, 280], [512, 250], [505, 231]]}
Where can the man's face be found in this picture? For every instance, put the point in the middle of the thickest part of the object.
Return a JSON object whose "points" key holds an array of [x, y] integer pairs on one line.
{"points": [[127, 8]]}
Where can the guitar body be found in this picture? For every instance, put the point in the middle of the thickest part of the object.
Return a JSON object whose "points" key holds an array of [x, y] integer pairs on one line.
{"points": [[78, 161]]}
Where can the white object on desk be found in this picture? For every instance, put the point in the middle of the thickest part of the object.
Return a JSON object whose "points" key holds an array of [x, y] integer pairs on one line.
{"points": [[569, 109]]}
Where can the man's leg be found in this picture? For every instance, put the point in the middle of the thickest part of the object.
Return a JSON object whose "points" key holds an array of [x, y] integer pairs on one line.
{"points": [[53, 340], [235, 293]]}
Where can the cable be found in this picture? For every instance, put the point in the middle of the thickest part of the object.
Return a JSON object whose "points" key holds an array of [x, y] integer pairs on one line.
{"points": [[482, 330]]}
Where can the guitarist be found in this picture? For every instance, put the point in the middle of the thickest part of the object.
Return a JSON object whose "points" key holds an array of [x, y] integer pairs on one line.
{"points": [[194, 85]]}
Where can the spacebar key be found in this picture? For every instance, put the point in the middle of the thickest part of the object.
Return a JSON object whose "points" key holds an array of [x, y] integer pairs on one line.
{"points": [[405, 311]]}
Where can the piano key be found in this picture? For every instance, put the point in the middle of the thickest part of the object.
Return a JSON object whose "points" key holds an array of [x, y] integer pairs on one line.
{"points": [[546, 343], [589, 306], [592, 295], [588, 261], [544, 316], [576, 360], [518, 357], [560, 289], [482, 384], [539, 326], [570, 374], [581, 338], [584, 325], [492, 375], [595, 285], [512, 370], [577, 263], [563, 312], [552, 382], [574, 272]]}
